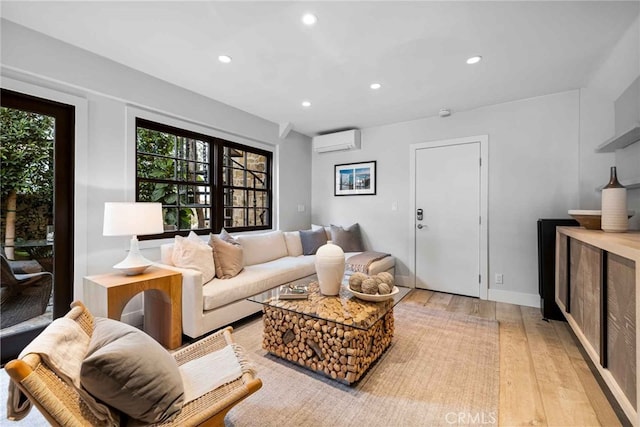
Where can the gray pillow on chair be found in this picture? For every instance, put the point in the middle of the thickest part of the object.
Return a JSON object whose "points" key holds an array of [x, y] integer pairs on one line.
{"points": [[130, 371], [312, 240]]}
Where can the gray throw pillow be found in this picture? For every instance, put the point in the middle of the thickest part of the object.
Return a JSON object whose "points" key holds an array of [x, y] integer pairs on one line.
{"points": [[312, 240], [349, 239], [130, 371]]}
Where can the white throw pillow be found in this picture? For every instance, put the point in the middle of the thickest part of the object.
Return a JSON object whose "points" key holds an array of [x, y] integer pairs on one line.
{"points": [[294, 244], [327, 230], [193, 237], [166, 253], [194, 254]]}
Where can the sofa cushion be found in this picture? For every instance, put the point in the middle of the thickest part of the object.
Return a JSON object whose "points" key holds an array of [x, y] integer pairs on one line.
{"points": [[193, 253], [227, 256], [130, 371], [312, 240], [349, 239], [255, 279], [264, 247], [294, 245]]}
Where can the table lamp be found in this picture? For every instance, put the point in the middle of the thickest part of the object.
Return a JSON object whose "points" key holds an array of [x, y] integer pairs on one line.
{"points": [[132, 219]]}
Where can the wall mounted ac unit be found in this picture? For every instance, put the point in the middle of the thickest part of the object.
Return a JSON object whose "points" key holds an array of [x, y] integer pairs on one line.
{"points": [[346, 140]]}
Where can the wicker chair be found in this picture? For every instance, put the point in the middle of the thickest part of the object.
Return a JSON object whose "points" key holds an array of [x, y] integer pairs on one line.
{"points": [[62, 406], [23, 296]]}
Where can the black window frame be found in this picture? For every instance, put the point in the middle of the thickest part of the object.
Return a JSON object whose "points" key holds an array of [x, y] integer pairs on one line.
{"points": [[216, 166]]}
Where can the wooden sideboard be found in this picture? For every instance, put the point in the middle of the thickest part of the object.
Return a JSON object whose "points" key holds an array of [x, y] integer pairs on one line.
{"points": [[597, 275]]}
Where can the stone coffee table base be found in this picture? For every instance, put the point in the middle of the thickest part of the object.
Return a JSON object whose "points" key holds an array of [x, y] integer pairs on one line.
{"points": [[339, 351]]}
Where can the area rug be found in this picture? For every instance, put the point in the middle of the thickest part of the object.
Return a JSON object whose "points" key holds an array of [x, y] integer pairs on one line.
{"points": [[442, 369]]}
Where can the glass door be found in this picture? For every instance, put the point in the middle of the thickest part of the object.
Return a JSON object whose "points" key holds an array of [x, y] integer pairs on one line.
{"points": [[36, 221]]}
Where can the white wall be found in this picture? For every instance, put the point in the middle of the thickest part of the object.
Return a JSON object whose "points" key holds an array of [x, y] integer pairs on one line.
{"points": [[621, 66], [113, 93], [616, 83], [533, 173], [295, 182], [596, 126]]}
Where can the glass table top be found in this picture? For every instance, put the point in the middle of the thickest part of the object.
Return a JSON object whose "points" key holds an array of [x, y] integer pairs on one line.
{"points": [[345, 308]]}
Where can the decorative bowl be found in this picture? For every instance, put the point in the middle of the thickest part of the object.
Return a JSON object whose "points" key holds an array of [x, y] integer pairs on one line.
{"points": [[591, 220], [376, 297]]}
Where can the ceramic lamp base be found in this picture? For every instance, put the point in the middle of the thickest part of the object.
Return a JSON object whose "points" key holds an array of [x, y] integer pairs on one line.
{"points": [[134, 263]]}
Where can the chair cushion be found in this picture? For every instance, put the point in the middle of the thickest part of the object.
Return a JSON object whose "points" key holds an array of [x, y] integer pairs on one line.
{"points": [[349, 239], [312, 240], [193, 253], [130, 371], [264, 247], [227, 255]]}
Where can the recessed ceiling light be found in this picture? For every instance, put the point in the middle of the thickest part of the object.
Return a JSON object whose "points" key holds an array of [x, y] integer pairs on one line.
{"points": [[225, 59], [309, 19], [474, 60], [306, 104], [375, 86]]}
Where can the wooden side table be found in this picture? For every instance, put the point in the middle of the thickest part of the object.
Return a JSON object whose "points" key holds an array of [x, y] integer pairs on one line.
{"points": [[106, 295]]}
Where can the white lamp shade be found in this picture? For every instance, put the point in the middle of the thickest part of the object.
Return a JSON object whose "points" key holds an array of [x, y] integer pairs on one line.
{"points": [[132, 219]]}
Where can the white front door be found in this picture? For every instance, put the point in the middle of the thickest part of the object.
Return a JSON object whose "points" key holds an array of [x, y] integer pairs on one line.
{"points": [[447, 238]]}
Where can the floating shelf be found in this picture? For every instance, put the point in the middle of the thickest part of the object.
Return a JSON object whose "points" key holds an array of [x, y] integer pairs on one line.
{"points": [[620, 141]]}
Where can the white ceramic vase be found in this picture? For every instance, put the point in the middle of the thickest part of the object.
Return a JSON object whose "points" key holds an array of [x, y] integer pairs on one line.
{"points": [[614, 206], [330, 268]]}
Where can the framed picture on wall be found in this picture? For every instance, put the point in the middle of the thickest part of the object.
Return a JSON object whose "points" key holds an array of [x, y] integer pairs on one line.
{"points": [[355, 179]]}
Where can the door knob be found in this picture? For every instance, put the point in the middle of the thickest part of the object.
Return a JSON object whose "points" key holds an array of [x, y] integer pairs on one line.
{"points": [[420, 226]]}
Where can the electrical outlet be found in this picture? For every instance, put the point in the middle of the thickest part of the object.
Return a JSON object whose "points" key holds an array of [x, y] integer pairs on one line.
{"points": [[300, 208], [499, 279]]}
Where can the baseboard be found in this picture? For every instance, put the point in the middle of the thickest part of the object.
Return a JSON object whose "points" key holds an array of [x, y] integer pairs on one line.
{"points": [[134, 318], [403, 281], [511, 297]]}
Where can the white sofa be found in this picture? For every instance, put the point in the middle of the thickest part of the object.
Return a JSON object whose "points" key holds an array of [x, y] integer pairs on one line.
{"points": [[270, 259]]}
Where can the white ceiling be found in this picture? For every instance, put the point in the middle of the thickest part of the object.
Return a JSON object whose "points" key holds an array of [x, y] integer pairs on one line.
{"points": [[416, 50]]}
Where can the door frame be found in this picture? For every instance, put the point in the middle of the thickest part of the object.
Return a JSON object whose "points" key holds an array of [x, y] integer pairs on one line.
{"points": [[63, 160], [483, 140], [39, 87]]}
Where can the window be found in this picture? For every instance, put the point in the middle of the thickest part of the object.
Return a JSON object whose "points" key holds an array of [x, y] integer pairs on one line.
{"points": [[245, 186], [204, 183]]}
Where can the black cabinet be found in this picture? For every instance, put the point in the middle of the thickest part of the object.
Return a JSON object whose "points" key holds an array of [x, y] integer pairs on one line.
{"points": [[547, 265]]}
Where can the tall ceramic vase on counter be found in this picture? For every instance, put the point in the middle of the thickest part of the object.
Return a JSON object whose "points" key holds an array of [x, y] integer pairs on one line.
{"points": [[330, 268], [614, 206]]}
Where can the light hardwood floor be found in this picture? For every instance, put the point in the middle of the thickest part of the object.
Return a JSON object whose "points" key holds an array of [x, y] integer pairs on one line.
{"points": [[544, 380]]}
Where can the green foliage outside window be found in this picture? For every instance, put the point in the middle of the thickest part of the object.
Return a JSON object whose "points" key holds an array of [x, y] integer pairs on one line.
{"points": [[156, 160], [26, 167], [26, 153]]}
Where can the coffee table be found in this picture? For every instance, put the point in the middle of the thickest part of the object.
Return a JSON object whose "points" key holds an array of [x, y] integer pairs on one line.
{"points": [[339, 336]]}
